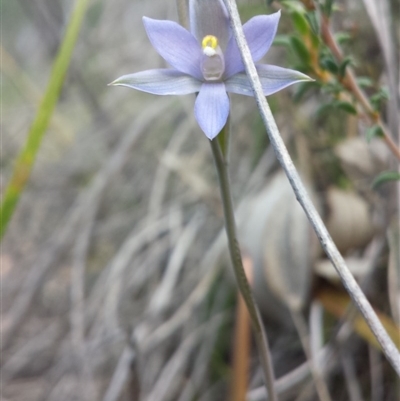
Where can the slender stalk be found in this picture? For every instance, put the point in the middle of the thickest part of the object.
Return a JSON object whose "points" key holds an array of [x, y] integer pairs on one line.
{"points": [[27, 156], [236, 258], [352, 287], [303, 332]]}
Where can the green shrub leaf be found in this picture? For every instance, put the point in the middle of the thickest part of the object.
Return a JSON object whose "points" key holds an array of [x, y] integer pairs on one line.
{"points": [[346, 106], [384, 177], [300, 49], [374, 132]]}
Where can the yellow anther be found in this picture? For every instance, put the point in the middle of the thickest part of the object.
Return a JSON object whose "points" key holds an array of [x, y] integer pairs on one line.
{"points": [[209, 41]]}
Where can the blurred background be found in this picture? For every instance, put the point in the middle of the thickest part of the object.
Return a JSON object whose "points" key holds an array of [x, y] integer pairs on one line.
{"points": [[115, 279]]}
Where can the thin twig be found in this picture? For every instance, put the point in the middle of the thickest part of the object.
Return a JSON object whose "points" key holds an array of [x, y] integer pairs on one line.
{"points": [[61, 239], [296, 378], [376, 374], [388, 347], [164, 292], [236, 258], [120, 375], [77, 312], [302, 330], [350, 376]]}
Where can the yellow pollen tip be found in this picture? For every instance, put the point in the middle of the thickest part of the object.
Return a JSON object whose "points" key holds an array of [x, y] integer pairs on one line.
{"points": [[209, 41]]}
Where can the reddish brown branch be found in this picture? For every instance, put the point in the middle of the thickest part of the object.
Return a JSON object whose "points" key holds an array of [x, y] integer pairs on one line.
{"points": [[241, 349], [350, 82]]}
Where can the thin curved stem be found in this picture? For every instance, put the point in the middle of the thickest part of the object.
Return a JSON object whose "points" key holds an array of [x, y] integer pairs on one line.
{"points": [[236, 258], [303, 333], [389, 349]]}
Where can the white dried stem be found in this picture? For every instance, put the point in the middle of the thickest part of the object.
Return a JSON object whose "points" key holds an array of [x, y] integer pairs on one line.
{"points": [[354, 290]]}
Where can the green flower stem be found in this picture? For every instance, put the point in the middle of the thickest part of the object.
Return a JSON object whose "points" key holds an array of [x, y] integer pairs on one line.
{"points": [[236, 258], [27, 156]]}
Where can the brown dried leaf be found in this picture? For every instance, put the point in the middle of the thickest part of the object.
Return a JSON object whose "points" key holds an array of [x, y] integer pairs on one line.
{"points": [[337, 303]]}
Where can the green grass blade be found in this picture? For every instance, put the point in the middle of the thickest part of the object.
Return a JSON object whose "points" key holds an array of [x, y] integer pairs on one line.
{"points": [[27, 156]]}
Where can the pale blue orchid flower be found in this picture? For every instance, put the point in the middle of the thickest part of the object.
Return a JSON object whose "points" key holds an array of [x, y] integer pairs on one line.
{"points": [[207, 60]]}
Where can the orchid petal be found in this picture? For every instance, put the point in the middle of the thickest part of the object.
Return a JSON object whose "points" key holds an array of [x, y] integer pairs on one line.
{"points": [[260, 32], [212, 108], [160, 82], [272, 78], [175, 44], [209, 17]]}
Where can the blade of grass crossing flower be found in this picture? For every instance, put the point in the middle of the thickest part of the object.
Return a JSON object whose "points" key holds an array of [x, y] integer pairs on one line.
{"points": [[352, 287], [26, 158]]}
